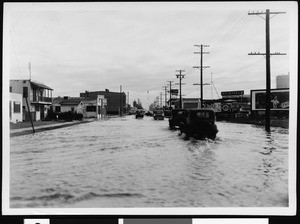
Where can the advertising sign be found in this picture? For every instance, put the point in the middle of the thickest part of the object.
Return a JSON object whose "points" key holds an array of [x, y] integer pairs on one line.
{"points": [[233, 93], [174, 91], [217, 107], [279, 99]]}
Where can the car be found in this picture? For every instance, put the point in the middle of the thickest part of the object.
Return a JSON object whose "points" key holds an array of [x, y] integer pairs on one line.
{"points": [[139, 114], [177, 116], [199, 124], [158, 115]]}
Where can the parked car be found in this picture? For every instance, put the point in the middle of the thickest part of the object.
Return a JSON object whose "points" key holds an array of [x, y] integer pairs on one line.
{"points": [[199, 124], [177, 116]]}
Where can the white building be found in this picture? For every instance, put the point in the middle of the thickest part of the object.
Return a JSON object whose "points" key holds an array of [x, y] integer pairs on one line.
{"points": [[89, 107], [95, 107], [282, 81], [15, 107], [39, 98]]}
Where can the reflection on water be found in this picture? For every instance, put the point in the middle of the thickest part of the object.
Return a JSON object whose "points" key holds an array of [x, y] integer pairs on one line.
{"points": [[125, 162]]}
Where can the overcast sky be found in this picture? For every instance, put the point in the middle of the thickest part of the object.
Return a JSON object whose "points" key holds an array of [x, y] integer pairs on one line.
{"points": [[75, 47]]}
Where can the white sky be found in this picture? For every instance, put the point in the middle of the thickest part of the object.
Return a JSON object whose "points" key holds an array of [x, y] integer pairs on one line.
{"points": [[75, 47]]}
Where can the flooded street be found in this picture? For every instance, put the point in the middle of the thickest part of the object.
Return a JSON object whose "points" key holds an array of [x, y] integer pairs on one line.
{"points": [[128, 162]]}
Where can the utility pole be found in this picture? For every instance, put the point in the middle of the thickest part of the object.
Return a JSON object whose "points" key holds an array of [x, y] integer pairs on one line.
{"points": [[201, 70], [180, 76], [170, 93], [25, 95], [165, 87], [268, 67], [160, 103]]}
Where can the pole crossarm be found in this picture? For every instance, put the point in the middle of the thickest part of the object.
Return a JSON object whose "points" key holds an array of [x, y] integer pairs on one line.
{"points": [[258, 53], [260, 13], [199, 67], [199, 45], [201, 53]]}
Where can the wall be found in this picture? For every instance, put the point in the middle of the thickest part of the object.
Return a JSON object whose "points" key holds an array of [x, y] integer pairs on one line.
{"points": [[15, 116], [77, 108], [113, 100]]}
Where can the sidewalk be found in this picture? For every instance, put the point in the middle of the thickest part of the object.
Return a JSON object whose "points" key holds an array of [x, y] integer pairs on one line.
{"points": [[46, 127]]}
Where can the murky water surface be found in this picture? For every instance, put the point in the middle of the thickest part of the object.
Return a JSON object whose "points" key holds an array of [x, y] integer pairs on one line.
{"points": [[125, 162]]}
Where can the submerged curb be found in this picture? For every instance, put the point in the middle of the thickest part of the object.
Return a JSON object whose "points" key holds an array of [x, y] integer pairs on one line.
{"points": [[274, 123], [46, 128]]}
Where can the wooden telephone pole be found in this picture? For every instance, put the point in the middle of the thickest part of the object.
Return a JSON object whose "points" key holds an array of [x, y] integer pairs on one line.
{"points": [[201, 70], [170, 82], [268, 67], [180, 76]]}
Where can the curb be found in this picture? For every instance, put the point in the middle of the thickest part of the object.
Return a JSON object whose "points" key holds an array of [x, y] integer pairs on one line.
{"points": [[41, 129]]}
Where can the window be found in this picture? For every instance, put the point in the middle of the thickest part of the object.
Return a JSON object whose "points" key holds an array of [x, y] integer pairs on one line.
{"points": [[203, 114], [57, 109], [10, 89], [72, 109], [17, 107], [91, 108]]}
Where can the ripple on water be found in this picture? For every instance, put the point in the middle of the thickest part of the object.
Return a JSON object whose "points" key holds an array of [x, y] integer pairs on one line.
{"points": [[123, 162]]}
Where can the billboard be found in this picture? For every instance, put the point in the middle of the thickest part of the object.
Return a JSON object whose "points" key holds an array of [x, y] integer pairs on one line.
{"points": [[174, 91], [233, 93], [279, 99]]}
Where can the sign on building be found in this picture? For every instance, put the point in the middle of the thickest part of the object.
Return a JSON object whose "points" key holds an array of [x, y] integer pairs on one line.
{"points": [[232, 94], [279, 99], [174, 91]]}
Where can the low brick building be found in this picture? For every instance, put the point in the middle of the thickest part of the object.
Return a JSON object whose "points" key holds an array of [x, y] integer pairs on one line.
{"points": [[116, 102]]}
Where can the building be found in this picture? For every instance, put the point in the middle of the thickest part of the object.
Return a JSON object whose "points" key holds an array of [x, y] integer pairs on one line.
{"points": [[189, 103], [73, 104], [95, 107], [116, 101], [15, 107], [39, 97], [89, 107], [282, 81]]}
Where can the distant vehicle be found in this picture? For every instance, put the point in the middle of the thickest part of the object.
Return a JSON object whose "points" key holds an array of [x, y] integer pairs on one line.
{"points": [[148, 113], [139, 114], [158, 115], [177, 116], [199, 124]]}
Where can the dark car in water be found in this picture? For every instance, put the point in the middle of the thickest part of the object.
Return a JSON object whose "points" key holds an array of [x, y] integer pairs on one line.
{"points": [[199, 124], [177, 116], [139, 114]]}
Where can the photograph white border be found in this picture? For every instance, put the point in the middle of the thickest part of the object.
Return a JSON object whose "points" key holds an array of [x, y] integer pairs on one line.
{"points": [[269, 211]]}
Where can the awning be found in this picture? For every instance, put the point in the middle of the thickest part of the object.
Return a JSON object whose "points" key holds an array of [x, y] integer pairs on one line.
{"points": [[39, 85]]}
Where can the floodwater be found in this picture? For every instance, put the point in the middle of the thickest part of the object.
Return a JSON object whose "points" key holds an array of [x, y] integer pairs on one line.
{"points": [[128, 162]]}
